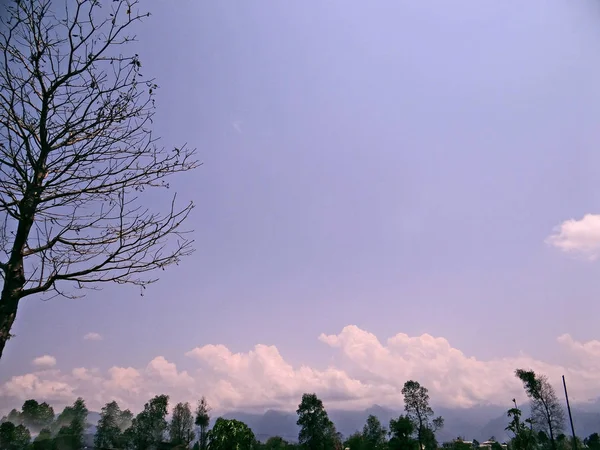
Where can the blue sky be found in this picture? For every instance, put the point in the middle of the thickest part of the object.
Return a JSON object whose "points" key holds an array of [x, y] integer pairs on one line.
{"points": [[397, 166]]}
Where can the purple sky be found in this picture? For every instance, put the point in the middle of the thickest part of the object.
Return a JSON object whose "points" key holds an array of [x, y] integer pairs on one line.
{"points": [[394, 165]]}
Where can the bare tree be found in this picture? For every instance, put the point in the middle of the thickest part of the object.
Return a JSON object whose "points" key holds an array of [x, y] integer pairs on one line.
{"points": [[77, 153], [546, 412]]}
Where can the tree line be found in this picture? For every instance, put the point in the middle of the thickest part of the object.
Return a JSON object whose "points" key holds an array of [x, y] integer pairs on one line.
{"points": [[36, 427]]}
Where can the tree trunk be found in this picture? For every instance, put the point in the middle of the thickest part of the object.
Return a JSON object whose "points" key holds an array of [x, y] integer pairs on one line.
{"points": [[552, 441], [14, 270], [9, 301]]}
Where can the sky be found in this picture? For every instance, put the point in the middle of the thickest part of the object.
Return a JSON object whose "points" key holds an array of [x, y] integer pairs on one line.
{"points": [[390, 190]]}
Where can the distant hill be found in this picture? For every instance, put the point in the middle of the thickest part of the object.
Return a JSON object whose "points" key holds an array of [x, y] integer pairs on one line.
{"points": [[481, 422]]}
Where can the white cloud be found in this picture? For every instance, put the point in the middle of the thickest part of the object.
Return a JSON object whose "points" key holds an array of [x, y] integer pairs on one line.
{"points": [[92, 337], [578, 236], [369, 371], [44, 361]]}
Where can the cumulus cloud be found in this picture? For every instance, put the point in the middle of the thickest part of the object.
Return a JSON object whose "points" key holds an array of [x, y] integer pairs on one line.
{"points": [[92, 337], [578, 236], [44, 361], [369, 371]]}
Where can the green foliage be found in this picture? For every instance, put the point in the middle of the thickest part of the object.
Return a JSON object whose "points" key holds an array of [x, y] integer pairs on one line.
{"points": [[374, 434], [460, 444], [36, 416], [43, 440], [14, 437], [401, 431], [355, 442], [202, 422], [231, 435], [547, 413], [181, 431], [592, 441], [13, 416], [317, 431], [523, 435], [148, 429], [276, 443], [566, 443], [113, 422], [416, 405], [71, 425]]}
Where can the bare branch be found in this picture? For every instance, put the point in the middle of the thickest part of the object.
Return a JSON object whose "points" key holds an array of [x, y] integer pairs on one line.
{"points": [[77, 154]]}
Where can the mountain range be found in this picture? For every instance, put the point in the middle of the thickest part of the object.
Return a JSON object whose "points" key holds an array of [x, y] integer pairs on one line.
{"points": [[480, 422]]}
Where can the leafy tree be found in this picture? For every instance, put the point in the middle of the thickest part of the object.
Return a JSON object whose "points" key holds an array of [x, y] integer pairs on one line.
{"points": [[276, 443], [475, 444], [13, 416], [416, 405], [592, 441], [231, 434], [14, 437], [76, 150], [496, 446], [317, 431], [36, 416], [113, 422], [566, 443], [182, 422], [71, 424], [202, 422], [374, 434], [546, 411], [523, 436], [44, 440], [148, 428], [401, 431], [355, 441], [429, 440]]}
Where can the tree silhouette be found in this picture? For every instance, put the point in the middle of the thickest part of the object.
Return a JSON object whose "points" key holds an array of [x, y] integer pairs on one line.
{"points": [[77, 154]]}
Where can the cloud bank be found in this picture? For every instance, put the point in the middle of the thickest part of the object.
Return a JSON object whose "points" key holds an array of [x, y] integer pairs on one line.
{"points": [[368, 372], [578, 236]]}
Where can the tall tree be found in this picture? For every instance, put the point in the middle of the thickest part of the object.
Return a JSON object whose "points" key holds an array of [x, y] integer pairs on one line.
{"points": [[13, 416], [202, 422], [416, 405], [401, 432], [182, 423], [14, 437], [231, 435], [44, 440], [148, 429], [546, 411], [71, 425], [374, 434], [113, 422], [522, 431], [355, 441], [76, 151], [36, 416], [317, 431], [592, 441]]}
